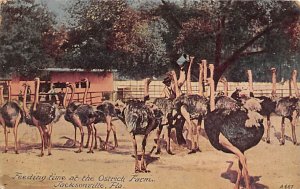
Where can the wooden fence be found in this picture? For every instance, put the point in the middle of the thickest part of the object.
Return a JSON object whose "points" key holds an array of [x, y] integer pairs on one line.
{"points": [[125, 90], [135, 89]]}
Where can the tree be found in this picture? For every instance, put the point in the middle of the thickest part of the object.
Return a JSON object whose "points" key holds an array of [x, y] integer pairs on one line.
{"points": [[111, 34], [22, 29], [228, 32]]}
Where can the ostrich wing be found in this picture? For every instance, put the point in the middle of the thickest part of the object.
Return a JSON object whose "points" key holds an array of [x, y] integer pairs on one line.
{"points": [[45, 113], [10, 112]]}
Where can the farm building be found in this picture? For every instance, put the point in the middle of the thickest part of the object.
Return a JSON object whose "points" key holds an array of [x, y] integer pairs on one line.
{"points": [[100, 83]]}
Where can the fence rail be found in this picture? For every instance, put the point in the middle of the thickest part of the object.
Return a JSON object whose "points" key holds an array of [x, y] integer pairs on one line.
{"points": [[125, 90]]}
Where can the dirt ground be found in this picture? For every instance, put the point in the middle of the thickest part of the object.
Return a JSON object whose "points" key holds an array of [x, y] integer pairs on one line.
{"points": [[270, 165]]}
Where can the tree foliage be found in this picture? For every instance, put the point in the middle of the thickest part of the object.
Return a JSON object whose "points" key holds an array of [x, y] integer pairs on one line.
{"points": [[23, 26], [236, 35], [111, 34], [143, 40]]}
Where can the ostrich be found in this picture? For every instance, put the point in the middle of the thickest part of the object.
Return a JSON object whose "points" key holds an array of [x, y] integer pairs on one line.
{"points": [[108, 110], [169, 116], [140, 119], [191, 106], [70, 108], [289, 107], [268, 104], [165, 104], [82, 115], [10, 117], [41, 115], [234, 131]]}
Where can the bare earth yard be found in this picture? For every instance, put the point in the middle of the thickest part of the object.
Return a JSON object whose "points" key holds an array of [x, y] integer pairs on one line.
{"points": [[270, 165]]}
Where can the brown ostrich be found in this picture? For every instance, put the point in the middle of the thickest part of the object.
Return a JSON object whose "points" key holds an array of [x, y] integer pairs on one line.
{"points": [[42, 115], [234, 131], [71, 106], [10, 117], [82, 115], [107, 109]]}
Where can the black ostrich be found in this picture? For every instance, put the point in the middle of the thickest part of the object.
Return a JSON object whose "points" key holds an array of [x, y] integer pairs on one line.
{"points": [[268, 104], [170, 119], [191, 107], [70, 109], [42, 115], [289, 107], [11, 115], [139, 118], [234, 131], [107, 109], [80, 116]]}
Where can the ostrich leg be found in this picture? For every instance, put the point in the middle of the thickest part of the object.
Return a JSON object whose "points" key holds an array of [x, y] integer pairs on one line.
{"points": [[78, 123], [88, 138], [157, 140], [137, 167], [95, 134], [198, 132], [238, 179], [186, 116], [268, 129], [293, 123], [46, 135], [75, 138], [49, 139], [282, 140], [242, 159], [169, 141], [42, 139], [108, 129], [16, 133], [91, 127], [6, 137], [143, 164], [115, 134]]}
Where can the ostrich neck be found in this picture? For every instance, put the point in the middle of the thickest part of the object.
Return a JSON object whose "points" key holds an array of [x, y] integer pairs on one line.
{"points": [[273, 83], [200, 81], [65, 97], [85, 92], [188, 79], [177, 92], [9, 92], [204, 70], [72, 94], [250, 80], [212, 95], [25, 109], [294, 80], [36, 95], [146, 87], [225, 87], [1, 97], [212, 88]]}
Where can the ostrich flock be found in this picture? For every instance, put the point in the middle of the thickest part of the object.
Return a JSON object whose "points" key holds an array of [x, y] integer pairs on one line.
{"points": [[233, 124]]}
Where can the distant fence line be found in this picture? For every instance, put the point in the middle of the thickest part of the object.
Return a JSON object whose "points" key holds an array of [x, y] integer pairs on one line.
{"points": [[135, 89], [125, 90]]}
